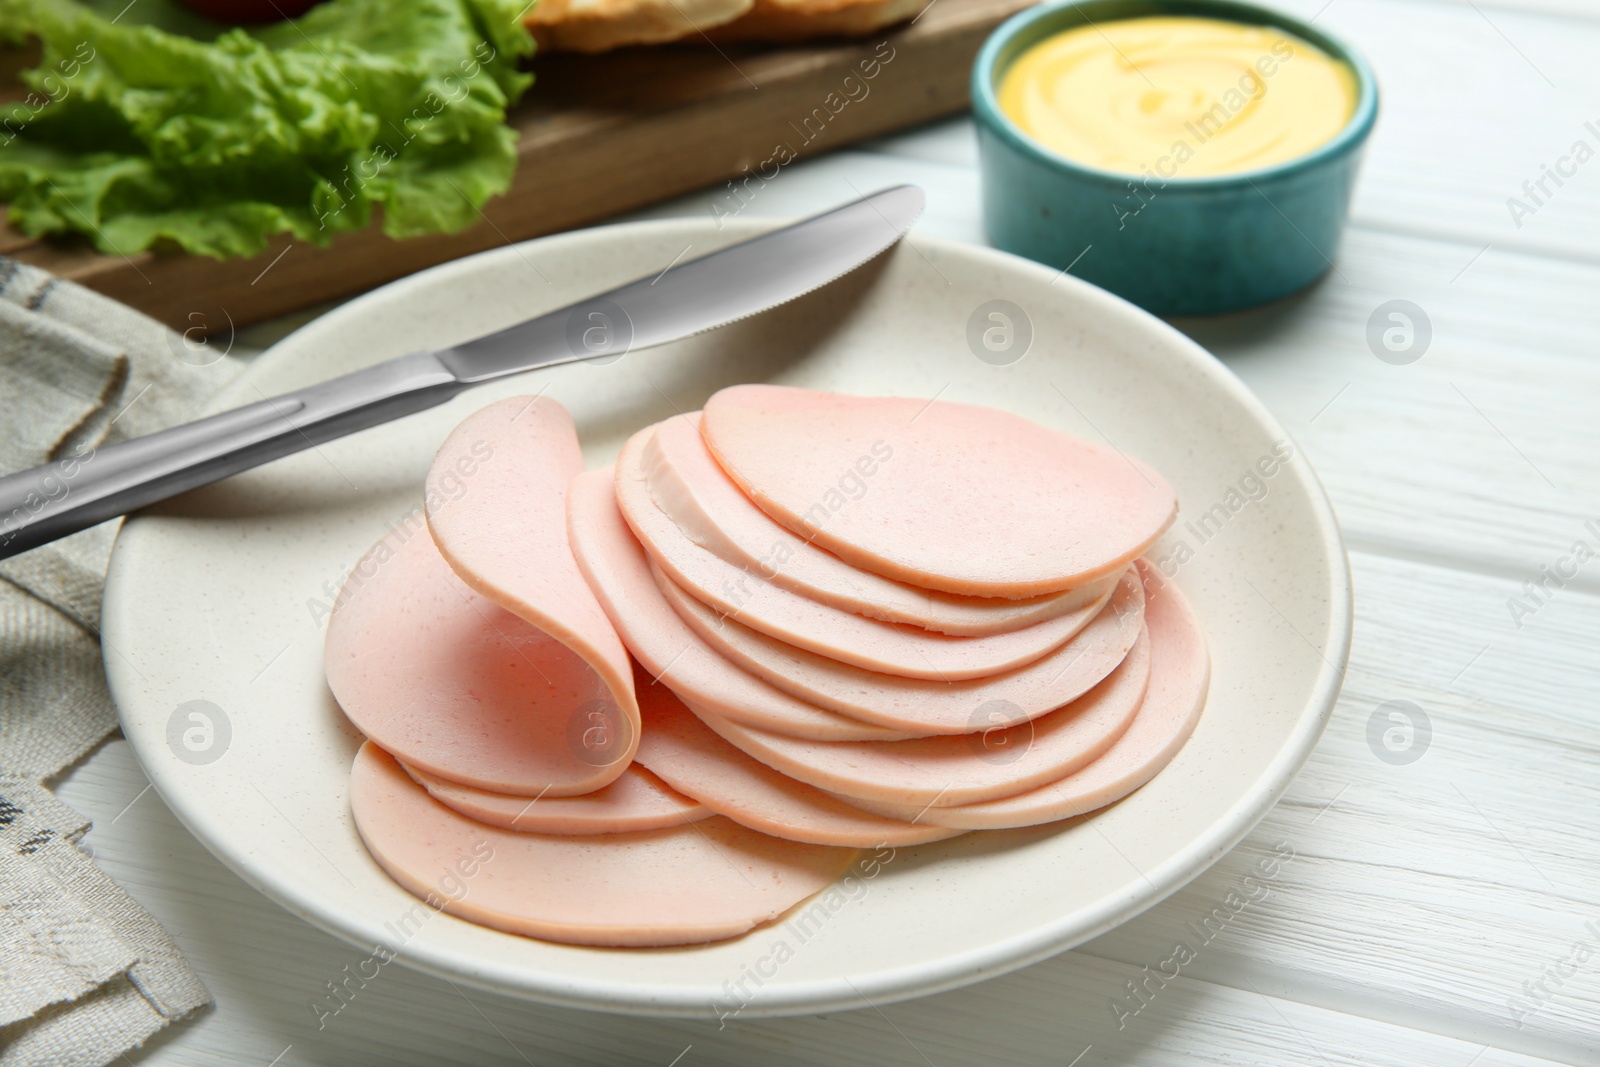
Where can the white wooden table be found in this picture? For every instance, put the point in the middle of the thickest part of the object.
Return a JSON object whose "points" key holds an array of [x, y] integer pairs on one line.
{"points": [[1441, 912]]}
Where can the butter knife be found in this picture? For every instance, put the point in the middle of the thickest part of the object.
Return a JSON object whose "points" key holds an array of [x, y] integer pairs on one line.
{"points": [[51, 501]]}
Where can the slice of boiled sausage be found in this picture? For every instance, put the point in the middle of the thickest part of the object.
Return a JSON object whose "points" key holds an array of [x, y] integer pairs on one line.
{"points": [[690, 487], [616, 567], [638, 800], [997, 761], [691, 757], [921, 705], [684, 885], [454, 684], [948, 496], [786, 616], [496, 502], [1179, 673]]}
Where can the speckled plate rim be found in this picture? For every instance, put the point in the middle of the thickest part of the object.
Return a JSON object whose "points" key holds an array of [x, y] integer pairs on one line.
{"points": [[835, 993]]}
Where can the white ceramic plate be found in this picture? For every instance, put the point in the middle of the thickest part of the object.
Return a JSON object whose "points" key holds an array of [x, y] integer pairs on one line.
{"points": [[221, 598]]}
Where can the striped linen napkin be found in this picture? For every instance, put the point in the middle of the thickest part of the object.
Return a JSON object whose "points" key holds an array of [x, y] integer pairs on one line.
{"points": [[85, 972]]}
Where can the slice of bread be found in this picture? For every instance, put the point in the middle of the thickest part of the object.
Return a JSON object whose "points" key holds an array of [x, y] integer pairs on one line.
{"points": [[784, 21], [601, 25]]}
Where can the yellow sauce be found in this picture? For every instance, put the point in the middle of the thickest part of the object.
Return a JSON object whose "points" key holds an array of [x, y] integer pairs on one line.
{"points": [[1178, 97]]}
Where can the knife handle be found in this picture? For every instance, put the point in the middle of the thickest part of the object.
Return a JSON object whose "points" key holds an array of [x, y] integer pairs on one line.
{"points": [[71, 494]]}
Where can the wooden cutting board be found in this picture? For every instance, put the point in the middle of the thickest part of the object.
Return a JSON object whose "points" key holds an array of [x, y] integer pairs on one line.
{"points": [[599, 135]]}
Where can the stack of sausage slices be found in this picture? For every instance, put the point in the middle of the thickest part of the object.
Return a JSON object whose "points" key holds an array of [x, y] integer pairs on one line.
{"points": [[664, 702]]}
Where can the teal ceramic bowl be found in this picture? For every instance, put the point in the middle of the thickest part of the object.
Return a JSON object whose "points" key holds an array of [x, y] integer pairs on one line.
{"points": [[1183, 246]]}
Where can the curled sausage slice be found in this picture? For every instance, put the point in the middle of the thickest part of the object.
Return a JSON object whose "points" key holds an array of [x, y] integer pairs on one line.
{"points": [[496, 502], [459, 687]]}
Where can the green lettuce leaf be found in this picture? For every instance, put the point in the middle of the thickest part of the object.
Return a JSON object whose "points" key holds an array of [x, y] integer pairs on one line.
{"points": [[135, 136]]}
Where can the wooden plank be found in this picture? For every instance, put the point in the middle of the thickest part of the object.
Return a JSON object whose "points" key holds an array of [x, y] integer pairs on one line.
{"points": [[1481, 454], [1436, 892], [1572, 8], [952, 193], [598, 135], [1476, 100]]}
